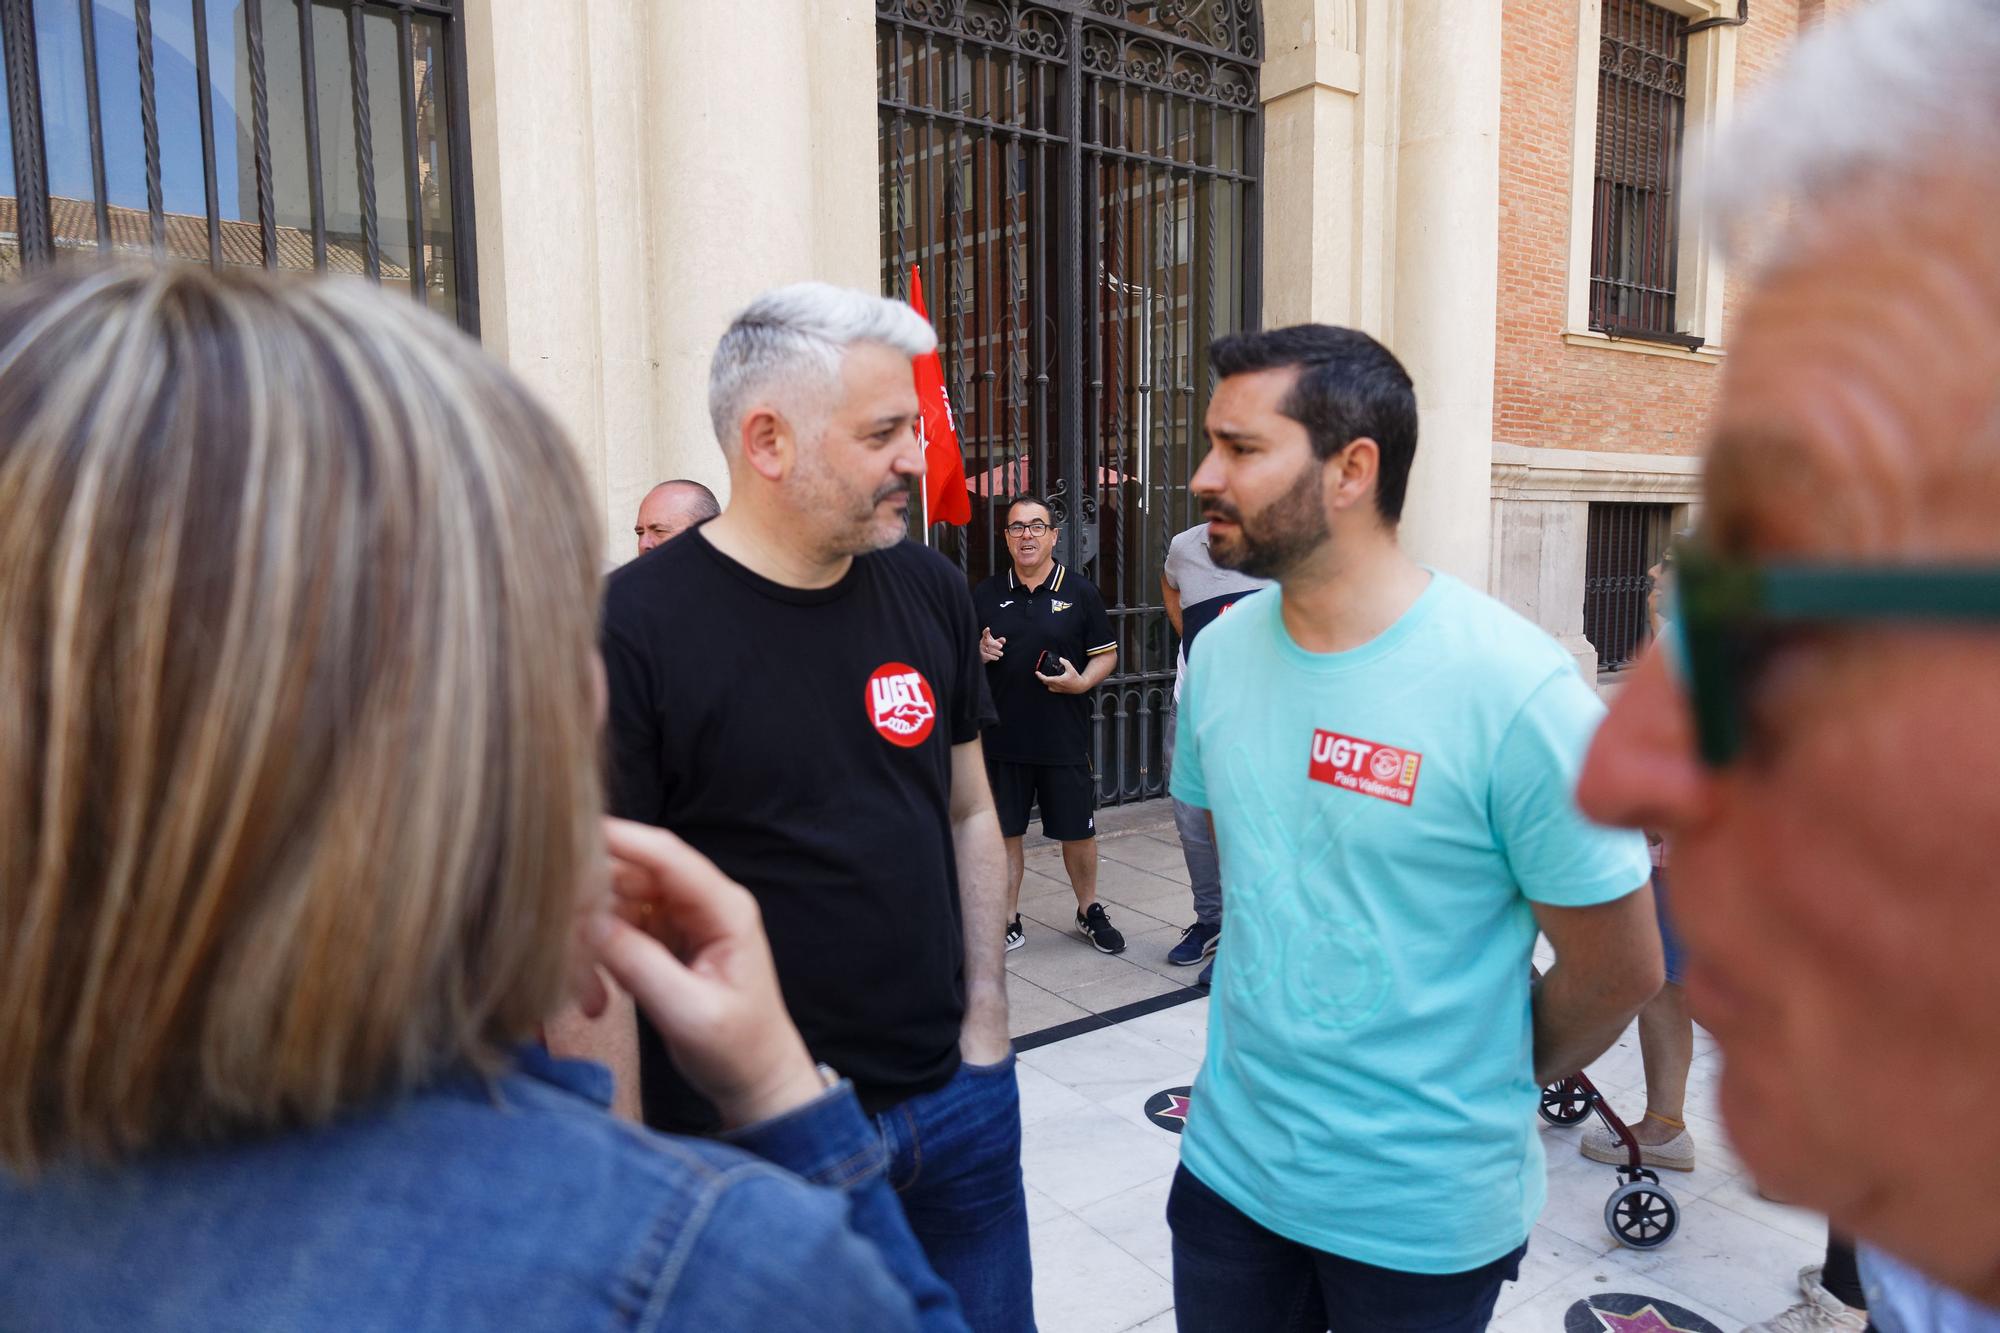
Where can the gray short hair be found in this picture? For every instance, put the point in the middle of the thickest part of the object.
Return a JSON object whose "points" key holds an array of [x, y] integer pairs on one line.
{"points": [[1890, 89], [796, 337]]}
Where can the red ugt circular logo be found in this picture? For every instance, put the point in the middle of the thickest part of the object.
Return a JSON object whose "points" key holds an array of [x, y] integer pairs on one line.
{"points": [[900, 704]]}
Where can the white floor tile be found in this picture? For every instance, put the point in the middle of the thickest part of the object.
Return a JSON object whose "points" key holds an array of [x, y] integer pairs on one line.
{"points": [[1085, 1284], [1136, 1222], [1552, 1258], [1079, 1158], [1742, 1268], [1739, 1195], [1125, 985], [1043, 1097], [1183, 1028], [1109, 1063], [1041, 1208], [1032, 1009]]}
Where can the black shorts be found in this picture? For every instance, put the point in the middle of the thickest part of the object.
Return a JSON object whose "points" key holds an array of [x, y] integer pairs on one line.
{"points": [[1067, 792]]}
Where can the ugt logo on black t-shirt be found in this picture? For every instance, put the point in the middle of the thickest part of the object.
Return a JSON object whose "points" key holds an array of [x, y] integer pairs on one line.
{"points": [[900, 704]]}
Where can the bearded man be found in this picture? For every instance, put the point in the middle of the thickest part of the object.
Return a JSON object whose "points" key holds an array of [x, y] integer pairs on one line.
{"points": [[1389, 758], [796, 689]]}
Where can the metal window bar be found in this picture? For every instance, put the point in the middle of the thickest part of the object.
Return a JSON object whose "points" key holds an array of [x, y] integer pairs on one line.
{"points": [[277, 213], [1077, 180], [1641, 117], [1623, 543]]}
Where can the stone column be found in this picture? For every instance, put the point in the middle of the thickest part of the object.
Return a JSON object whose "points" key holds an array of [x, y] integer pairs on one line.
{"points": [[1326, 137], [1447, 271], [643, 168], [534, 184]]}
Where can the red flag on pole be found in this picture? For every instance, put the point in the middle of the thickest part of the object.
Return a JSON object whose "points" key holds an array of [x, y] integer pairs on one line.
{"points": [[945, 498]]}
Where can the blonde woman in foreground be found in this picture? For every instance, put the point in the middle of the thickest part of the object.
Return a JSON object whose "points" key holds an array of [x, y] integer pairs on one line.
{"points": [[300, 845]]}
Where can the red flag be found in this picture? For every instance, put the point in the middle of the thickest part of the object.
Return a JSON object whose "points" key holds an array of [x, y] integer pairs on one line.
{"points": [[945, 498]]}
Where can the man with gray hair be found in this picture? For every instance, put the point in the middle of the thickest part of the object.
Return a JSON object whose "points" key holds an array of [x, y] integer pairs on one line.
{"points": [[796, 690], [1815, 735], [671, 508]]}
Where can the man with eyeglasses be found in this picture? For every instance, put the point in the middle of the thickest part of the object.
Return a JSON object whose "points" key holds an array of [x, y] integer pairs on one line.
{"points": [[1816, 732], [1047, 644]]}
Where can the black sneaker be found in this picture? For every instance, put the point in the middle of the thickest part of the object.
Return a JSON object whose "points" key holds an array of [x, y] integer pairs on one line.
{"points": [[1096, 927], [1015, 937]]}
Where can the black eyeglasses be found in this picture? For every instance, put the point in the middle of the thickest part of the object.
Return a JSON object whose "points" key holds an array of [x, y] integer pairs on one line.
{"points": [[1035, 529], [1724, 614]]}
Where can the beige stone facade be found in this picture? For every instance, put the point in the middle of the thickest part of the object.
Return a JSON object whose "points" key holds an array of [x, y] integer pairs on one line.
{"points": [[644, 166]]}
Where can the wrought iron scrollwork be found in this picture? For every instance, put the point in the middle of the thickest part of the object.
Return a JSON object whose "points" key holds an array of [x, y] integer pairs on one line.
{"points": [[1174, 68], [1221, 27], [1038, 30]]}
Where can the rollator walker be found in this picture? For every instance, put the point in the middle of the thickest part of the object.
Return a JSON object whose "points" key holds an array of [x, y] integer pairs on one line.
{"points": [[1641, 1212]]}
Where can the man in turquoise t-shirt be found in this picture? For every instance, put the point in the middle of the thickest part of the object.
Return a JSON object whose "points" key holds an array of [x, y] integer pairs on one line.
{"points": [[1389, 758]]}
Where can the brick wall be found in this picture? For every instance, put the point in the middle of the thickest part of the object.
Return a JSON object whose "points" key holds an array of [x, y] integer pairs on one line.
{"points": [[1547, 393]]}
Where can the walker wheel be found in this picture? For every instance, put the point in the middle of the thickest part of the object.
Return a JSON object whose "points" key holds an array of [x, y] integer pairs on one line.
{"points": [[1642, 1215], [1564, 1103]]}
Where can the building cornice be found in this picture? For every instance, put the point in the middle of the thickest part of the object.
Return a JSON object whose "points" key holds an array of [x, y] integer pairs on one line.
{"points": [[1524, 473]]}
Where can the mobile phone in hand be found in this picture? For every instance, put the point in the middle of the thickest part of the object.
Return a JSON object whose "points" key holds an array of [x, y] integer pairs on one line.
{"points": [[1048, 664]]}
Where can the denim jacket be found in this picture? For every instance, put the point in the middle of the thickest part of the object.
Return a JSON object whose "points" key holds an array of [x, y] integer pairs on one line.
{"points": [[513, 1204]]}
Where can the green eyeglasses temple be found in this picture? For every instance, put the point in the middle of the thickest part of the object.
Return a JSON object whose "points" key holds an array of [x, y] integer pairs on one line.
{"points": [[1716, 598]]}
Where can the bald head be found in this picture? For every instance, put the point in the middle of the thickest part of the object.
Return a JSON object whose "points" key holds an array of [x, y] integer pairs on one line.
{"points": [[671, 508]]}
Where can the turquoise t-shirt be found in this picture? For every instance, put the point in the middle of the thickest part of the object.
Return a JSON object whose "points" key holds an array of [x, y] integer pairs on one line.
{"points": [[1385, 816]]}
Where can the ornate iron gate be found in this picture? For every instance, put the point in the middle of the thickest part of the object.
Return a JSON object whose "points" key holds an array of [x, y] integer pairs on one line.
{"points": [[312, 134], [1078, 181]]}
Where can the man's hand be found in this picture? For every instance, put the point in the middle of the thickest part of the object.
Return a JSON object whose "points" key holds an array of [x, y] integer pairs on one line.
{"points": [[1069, 682], [990, 648], [688, 943]]}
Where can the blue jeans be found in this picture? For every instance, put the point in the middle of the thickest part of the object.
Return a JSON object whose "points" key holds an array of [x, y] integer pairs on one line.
{"points": [[955, 1161], [1230, 1273], [1191, 822]]}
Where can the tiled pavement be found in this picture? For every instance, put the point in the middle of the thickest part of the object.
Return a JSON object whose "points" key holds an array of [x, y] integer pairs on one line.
{"points": [[1098, 1170], [1058, 978]]}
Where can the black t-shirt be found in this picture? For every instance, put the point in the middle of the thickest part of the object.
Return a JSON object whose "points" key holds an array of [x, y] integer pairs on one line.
{"points": [[801, 738], [1064, 616]]}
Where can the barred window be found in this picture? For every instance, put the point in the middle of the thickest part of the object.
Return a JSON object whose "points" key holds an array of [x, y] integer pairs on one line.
{"points": [[1624, 542], [1635, 224], [310, 134]]}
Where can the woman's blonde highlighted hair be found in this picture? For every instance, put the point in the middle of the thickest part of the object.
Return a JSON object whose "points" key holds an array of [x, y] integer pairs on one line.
{"points": [[298, 706]]}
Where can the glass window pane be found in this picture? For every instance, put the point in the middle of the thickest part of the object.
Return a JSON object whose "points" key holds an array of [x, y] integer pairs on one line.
{"points": [[434, 166]]}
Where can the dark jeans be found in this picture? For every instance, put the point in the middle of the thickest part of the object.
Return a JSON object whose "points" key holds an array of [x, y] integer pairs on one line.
{"points": [[1841, 1275], [955, 1161], [1231, 1274]]}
